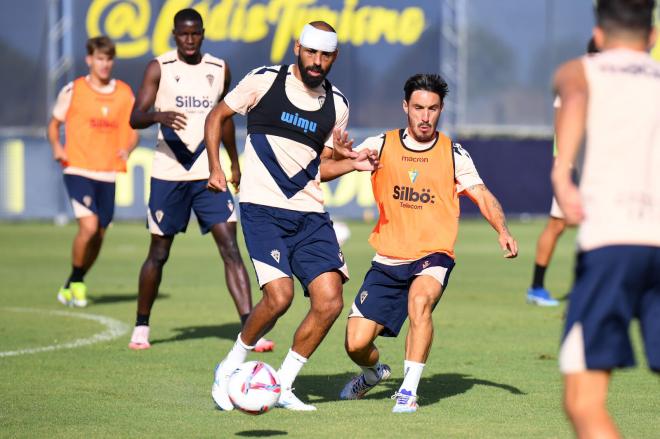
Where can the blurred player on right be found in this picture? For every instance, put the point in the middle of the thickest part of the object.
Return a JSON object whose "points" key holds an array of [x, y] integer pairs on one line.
{"points": [[612, 97], [537, 294]]}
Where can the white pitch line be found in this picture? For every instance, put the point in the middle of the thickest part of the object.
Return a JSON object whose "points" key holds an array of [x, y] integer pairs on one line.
{"points": [[114, 329]]}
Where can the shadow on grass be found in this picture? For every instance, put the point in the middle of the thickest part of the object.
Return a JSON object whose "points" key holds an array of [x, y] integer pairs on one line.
{"points": [[326, 388], [261, 433], [228, 331], [102, 299]]}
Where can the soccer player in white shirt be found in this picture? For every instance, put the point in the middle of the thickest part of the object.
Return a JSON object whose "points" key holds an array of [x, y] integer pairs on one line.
{"points": [[611, 97], [292, 113]]}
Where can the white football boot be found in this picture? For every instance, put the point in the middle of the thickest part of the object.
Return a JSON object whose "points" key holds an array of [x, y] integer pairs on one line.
{"points": [[219, 391], [290, 401]]}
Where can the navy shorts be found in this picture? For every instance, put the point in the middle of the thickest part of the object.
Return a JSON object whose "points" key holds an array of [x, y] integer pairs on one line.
{"points": [[91, 197], [383, 297], [171, 202], [613, 285], [284, 243]]}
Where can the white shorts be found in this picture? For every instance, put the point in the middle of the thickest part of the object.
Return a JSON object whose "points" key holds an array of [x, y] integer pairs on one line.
{"points": [[555, 211]]}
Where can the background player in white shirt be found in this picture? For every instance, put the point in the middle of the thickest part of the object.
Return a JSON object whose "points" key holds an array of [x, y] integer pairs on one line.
{"points": [[537, 294], [612, 97], [182, 86]]}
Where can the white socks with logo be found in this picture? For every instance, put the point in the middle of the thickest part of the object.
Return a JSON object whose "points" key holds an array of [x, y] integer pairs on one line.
{"points": [[236, 355], [412, 374], [290, 368]]}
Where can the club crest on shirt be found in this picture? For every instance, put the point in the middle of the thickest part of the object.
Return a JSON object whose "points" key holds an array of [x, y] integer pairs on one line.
{"points": [[210, 78], [176, 78], [412, 175], [321, 100], [87, 200], [159, 215], [275, 253], [363, 296], [104, 111]]}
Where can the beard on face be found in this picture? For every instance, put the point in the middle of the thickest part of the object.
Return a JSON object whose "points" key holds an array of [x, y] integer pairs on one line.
{"points": [[418, 135], [309, 80]]}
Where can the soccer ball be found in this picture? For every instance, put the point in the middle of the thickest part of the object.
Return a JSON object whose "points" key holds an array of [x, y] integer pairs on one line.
{"points": [[254, 387]]}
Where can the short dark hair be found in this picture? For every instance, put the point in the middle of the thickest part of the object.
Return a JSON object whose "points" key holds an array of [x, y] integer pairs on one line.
{"points": [[188, 14], [426, 81], [591, 46], [625, 15], [101, 44]]}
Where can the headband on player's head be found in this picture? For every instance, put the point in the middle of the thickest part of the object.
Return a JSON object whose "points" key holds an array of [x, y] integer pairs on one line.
{"points": [[317, 39]]}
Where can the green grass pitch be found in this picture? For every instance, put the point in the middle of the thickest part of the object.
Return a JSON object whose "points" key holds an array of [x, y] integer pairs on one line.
{"points": [[492, 372]]}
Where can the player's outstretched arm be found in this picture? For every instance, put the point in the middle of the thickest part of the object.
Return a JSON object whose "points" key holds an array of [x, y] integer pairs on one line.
{"points": [[142, 116], [220, 114], [571, 87], [365, 160], [491, 209]]}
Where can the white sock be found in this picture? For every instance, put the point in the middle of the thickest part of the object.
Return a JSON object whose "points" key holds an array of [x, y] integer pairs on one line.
{"points": [[412, 374], [236, 355], [371, 375], [290, 368]]}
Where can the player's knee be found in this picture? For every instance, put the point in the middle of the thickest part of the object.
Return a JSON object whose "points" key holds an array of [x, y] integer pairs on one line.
{"points": [[278, 302], [89, 228], [158, 256], [355, 344], [580, 406], [330, 307], [557, 226], [420, 305]]}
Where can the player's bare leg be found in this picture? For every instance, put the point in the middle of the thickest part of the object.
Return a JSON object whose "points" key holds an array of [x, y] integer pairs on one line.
{"points": [[151, 274], [359, 341], [424, 293], [545, 246], [326, 303], [585, 399], [276, 299], [85, 249], [360, 347], [87, 242], [236, 276]]}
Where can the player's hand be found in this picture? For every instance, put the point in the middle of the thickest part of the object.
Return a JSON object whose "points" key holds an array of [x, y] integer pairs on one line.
{"points": [[171, 119], [235, 177], [508, 244], [367, 160], [59, 155], [570, 203], [217, 181], [342, 146]]}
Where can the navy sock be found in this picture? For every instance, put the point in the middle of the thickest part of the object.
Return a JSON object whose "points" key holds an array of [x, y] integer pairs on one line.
{"points": [[77, 275], [539, 276], [142, 320]]}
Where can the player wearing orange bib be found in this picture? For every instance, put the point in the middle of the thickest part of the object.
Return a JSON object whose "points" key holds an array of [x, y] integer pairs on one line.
{"points": [[416, 189], [94, 110]]}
